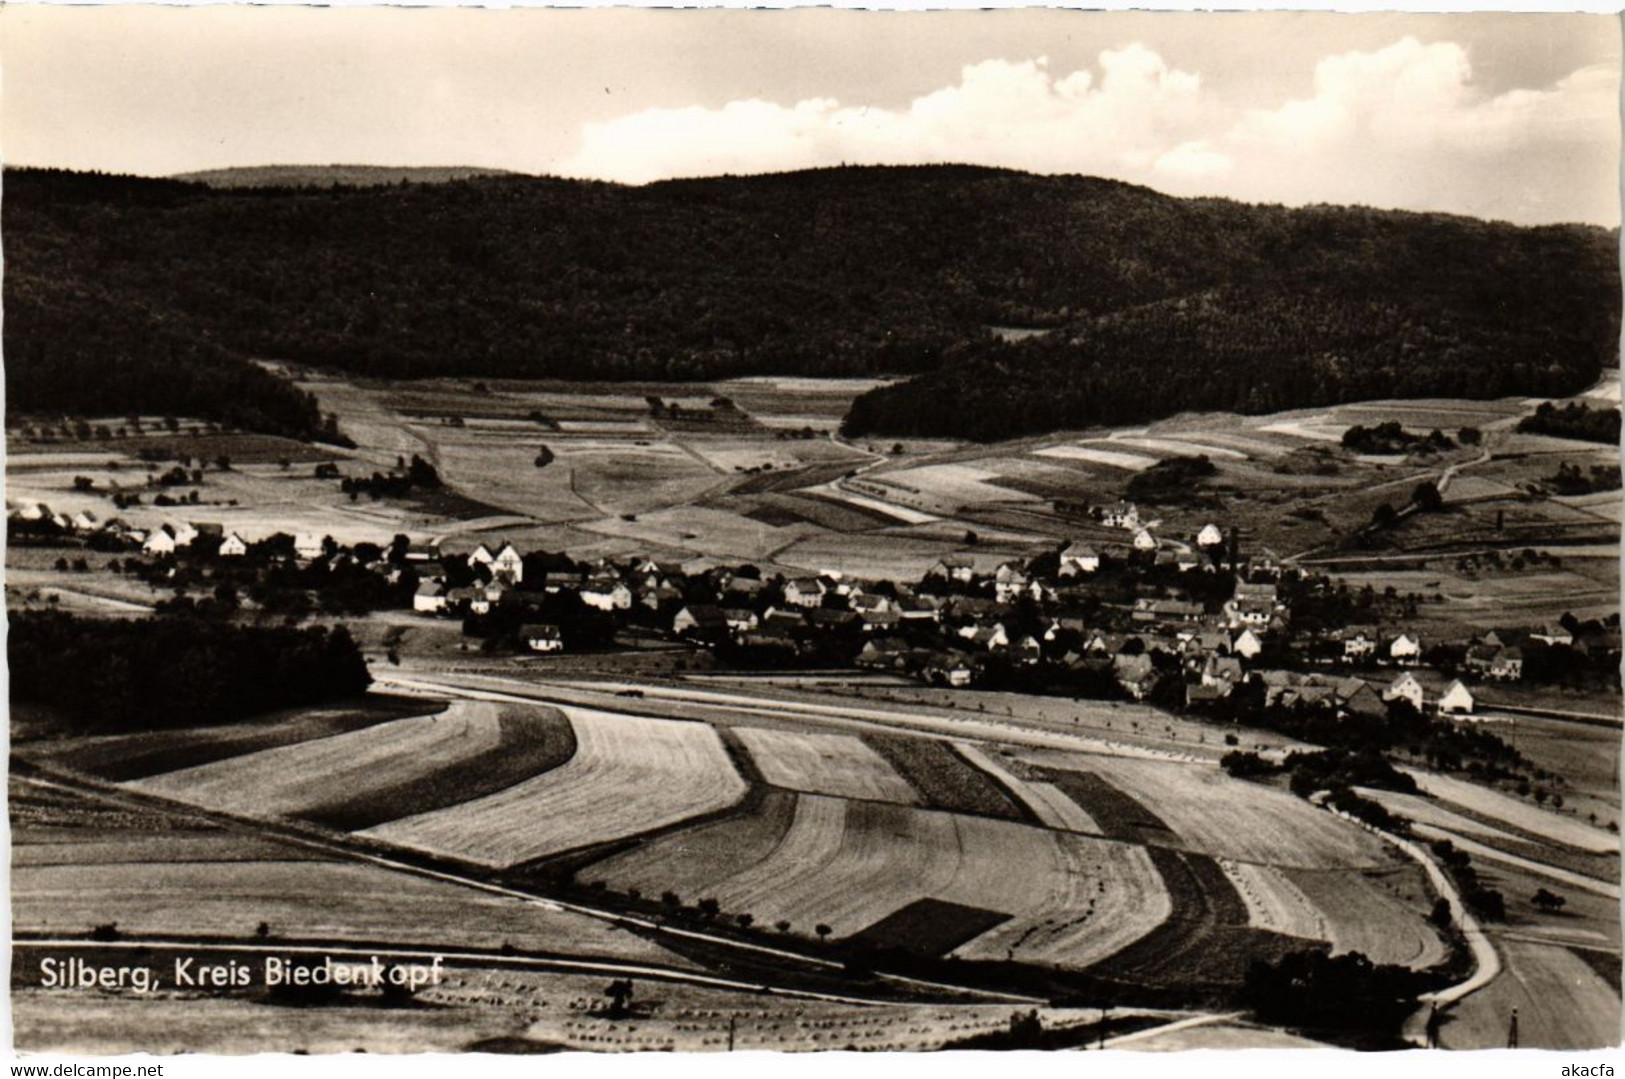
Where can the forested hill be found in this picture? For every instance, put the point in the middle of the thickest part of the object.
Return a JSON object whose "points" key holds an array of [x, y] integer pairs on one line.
{"points": [[1156, 304]]}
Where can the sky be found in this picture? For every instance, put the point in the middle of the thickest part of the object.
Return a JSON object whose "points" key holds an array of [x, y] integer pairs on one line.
{"points": [[1499, 115]]}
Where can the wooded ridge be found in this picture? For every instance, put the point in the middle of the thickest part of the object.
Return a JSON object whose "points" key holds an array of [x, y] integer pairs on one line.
{"points": [[129, 294]]}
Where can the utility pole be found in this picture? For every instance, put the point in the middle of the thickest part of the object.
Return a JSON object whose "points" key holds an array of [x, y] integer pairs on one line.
{"points": [[1512, 1031], [1105, 1012], [733, 1021]]}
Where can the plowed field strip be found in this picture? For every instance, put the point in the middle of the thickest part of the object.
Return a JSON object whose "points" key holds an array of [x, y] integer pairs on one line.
{"points": [[125, 757], [1047, 802], [943, 777], [629, 775], [289, 779], [836, 764], [531, 741]]}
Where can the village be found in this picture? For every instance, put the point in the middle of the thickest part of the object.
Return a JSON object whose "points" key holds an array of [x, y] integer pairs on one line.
{"points": [[1179, 622]]}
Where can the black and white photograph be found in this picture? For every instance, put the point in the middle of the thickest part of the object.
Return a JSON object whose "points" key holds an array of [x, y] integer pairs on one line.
{"points": [[621, 530]]}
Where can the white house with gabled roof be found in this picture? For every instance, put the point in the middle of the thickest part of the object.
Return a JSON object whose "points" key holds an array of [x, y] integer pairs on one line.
{"points": [[509, 564], [1405, 687], [1456, 699]]}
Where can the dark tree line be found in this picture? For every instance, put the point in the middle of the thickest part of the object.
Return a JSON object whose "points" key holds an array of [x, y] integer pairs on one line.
{"points": [[1154, 304], [120, 676], [1574, 420]]}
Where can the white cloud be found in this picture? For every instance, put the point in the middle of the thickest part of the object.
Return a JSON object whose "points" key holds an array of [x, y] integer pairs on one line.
{"points": [[1011, 113], [1194, 159], [1401, 126], [1407, 126]]}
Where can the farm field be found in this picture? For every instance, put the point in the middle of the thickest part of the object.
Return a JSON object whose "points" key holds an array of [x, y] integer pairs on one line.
{"points": [[836, 764], [78, 864], [1561, 1003], [1043, 800], [1274, 902], [628, 775], [614, 462], [1380, 915], [1517, 812], [1208, 812], [293, 779], [124, 757], [849, 864]]}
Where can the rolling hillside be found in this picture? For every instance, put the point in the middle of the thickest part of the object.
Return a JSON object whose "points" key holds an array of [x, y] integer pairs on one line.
{"points": [[1153, 304], [334, 175]]}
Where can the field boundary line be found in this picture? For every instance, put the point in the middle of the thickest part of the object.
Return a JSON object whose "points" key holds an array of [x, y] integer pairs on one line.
{"points": [[334, 845], [1486, 960]]}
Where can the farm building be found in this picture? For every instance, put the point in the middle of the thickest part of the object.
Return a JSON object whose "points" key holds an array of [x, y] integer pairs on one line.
{"points": [[1171, 611], [1358, 698], [805, 592], [883, 652], [169, 537], [1247, 645], [423, 552], [954, 567], [86, 521], [1144, 540], [1118, 515], [308, 546], [431, 598], [1405, 687], [1405, 650], [740, 619], [1359, 642], [607, 597], [1079, 558], [480, 556], [1497, 663], [918, 609], [949, 669], [872, 603], [1553, 635], [508, 565], [233, 546], [1010, 580], [1456, 699], [1253, 613], [1221, 670], [880, 621], [1209, 536], [1135, 674], [699, 618], [541, 637]]}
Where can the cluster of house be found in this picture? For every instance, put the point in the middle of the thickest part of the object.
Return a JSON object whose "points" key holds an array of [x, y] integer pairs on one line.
{"points": [[167, 538], [946, 629]]}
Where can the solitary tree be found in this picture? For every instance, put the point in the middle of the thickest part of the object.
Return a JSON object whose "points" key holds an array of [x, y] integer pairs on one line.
{"points": [[1550, 902], [619, 993]]}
